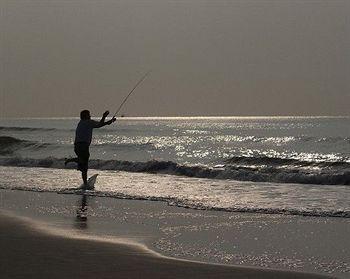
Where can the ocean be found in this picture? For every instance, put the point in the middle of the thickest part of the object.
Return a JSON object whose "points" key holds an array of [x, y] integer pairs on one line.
{"points": [[282, 165], [270, 192]]}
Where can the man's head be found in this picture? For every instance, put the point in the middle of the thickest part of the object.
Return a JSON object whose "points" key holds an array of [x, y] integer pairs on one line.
{"points": [[85, 114]]}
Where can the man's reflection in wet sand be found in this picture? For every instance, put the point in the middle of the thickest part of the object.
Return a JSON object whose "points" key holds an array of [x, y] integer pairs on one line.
{"points": [[81, 217]]}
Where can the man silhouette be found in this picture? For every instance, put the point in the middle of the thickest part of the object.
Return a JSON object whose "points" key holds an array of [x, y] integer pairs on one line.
{"points": [[83, 137]]}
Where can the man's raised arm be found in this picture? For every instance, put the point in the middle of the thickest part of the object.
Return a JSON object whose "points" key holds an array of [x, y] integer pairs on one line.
{"points": [[104, 116], [103, 122]]}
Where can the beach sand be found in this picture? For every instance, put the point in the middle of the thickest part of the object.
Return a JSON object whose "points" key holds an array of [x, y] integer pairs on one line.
{"points": [[28, 253], [40, 237]]}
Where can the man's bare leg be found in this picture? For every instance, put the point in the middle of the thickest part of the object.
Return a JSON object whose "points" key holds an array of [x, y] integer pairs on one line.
{"points": [[84, 176], [66, 161]]}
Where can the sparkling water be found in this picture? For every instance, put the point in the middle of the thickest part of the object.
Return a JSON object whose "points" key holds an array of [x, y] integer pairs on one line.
{"points": [[289, 165]]}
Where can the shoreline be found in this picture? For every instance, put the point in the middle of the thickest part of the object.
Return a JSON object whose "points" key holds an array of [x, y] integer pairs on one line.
{"points": [[41, 254]]}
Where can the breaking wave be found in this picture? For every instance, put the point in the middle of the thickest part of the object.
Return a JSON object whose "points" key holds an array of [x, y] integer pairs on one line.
{"points": [[284, 162], [285, 171], [8, 145]]}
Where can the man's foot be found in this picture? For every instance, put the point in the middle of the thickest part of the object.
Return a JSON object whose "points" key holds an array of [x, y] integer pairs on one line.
{"points": [[85, 186]]}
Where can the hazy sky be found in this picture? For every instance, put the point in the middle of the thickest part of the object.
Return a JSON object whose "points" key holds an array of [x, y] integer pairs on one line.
{"points": [[283, 57]]}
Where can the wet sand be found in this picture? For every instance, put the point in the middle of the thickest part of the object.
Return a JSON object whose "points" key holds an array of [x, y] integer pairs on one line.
{"points": [[27, 252]]}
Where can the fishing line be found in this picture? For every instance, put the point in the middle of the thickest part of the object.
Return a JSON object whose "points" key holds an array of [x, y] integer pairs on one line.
{"points": [[127, 96]]}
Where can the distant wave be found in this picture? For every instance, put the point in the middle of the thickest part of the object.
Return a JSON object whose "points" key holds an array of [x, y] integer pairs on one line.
{"points": [[288, 139], [5, 128], [8, 145], [333, 174]]}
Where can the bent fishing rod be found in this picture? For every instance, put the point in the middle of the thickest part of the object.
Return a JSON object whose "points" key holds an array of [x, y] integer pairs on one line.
{"points": [[127, 96]]}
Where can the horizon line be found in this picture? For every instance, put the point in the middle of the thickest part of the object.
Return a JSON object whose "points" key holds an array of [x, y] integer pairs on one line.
{"points": [[186, 117]]}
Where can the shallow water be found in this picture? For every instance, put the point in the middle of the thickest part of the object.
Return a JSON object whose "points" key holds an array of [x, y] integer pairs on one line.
{"points": [[196, 193]]}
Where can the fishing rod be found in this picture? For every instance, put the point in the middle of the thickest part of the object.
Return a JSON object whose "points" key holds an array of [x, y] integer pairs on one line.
{"points": [[126, 98]]}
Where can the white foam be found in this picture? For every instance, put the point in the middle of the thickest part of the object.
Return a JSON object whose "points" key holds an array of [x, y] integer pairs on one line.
{"points": [[227, 195]]}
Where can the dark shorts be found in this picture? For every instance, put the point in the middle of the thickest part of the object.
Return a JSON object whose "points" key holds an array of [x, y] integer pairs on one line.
{"points": [[82, 151]]}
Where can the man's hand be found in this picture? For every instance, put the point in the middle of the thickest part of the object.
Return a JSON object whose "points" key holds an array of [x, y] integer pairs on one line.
{"points": [[109, 122], [105, 113]]}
